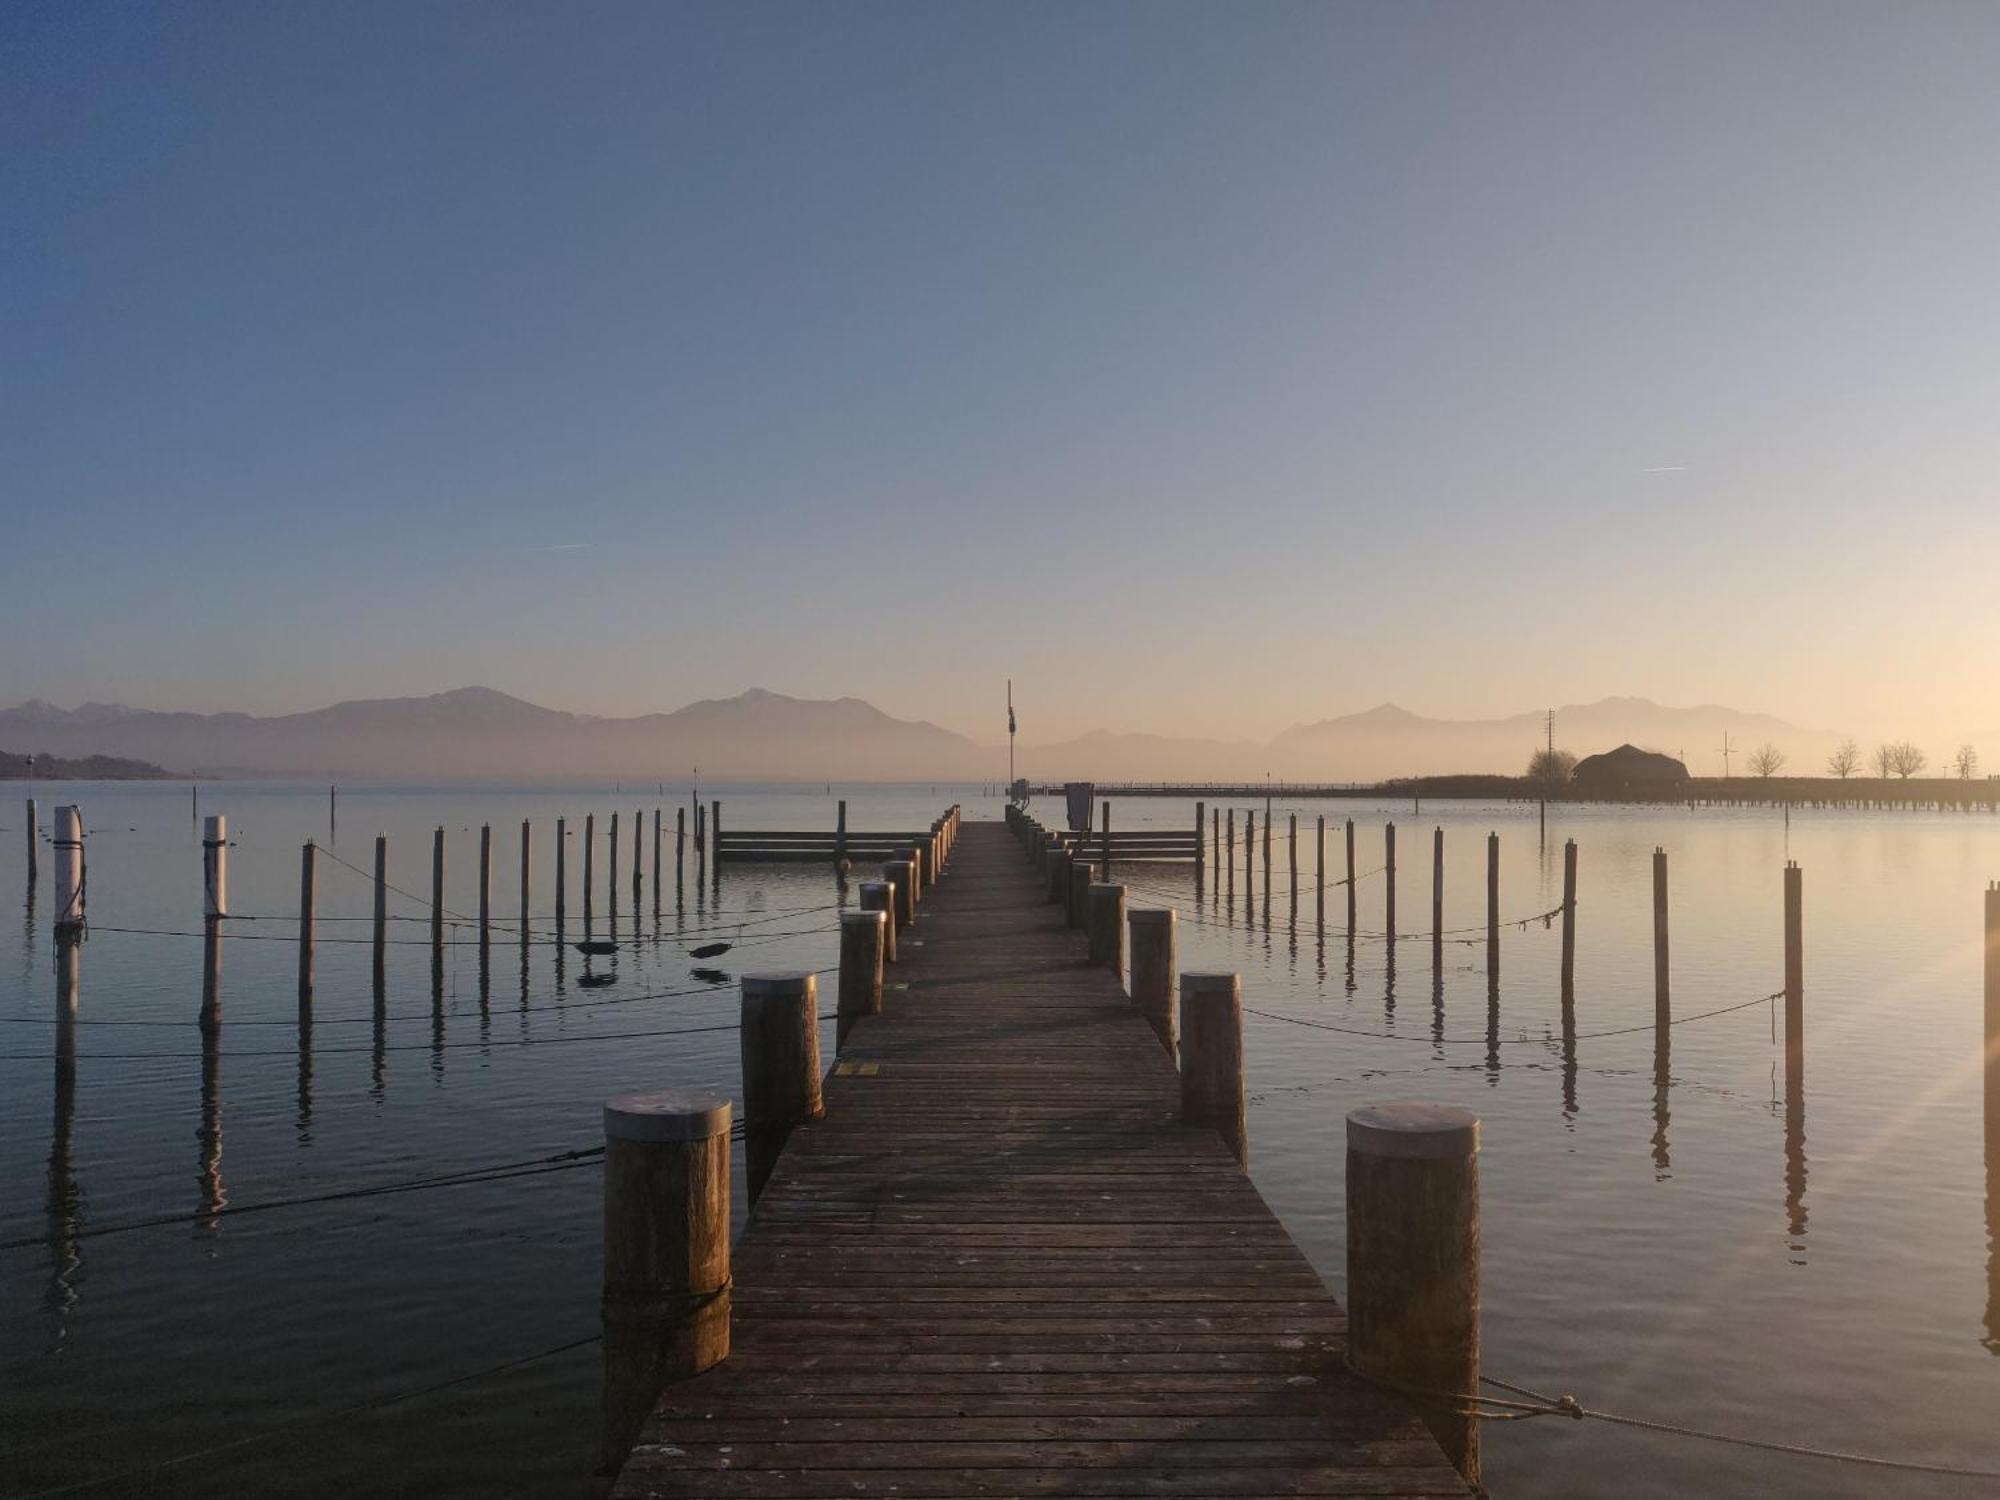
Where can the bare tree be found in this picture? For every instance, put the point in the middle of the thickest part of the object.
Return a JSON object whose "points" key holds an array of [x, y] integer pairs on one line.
{"points": [[1845, 761], [1767, 760], [1905, 759], [1549, 769], [1883, 761], [1966, 762]]}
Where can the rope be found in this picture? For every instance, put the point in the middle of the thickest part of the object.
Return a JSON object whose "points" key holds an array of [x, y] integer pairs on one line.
{"points": [[375, 1403], [1482, 1041]]}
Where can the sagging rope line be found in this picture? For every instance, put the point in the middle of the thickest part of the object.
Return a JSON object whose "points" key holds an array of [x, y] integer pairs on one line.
{"points": [[1496, 1409], [375, 1403], [272, 937], [561, 1161], [1502, 1041], [483, 1043], [1446, 934]]}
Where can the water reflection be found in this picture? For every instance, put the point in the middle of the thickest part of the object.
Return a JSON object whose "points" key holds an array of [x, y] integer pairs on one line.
{"points": [[212, 1192], [1992, 1339], [65, 1198], [1662, 1085], [1795, 1152], [303, 1123], [1492, 1027]]}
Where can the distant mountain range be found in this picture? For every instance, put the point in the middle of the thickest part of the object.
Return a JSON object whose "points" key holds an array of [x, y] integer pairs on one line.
{"points": [[479, 732]]}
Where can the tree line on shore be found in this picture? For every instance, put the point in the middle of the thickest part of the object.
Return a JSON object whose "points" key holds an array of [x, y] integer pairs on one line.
{"points": [[1892, 760]]}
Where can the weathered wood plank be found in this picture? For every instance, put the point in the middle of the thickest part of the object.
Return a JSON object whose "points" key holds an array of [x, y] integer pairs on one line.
{"points": [[1001, 1266]]}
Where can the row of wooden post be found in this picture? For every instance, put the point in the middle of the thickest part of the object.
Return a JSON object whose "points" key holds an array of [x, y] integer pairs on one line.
{"points": [[1412, 1169], [666, 1301]]}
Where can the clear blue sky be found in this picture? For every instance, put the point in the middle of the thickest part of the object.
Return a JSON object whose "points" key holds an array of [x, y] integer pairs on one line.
{"points": [[1203, 368]]}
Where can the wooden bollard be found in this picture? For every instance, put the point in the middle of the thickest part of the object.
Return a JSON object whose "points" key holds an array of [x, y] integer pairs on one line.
{"points": [[863, 936], [1413, 1262], [1212, 1058], [1107, 926], [1249, 846], [1492, 905], [1200, 833], [715, 839], [589, 866], [899, 875], [308, 880], [919, 876], [680, 844], [437, 904], [1292, 855], [1319, 873], [1389, 877], [879, 895], [34, 850], [1569, 920], [1663, 1011], [665, 1305], [1226, 854], [611, 870], [1059, 877], [638, 828], [781, 1074], [381, 915], [1351, 894], [215, 908], [71, 894], [1795, 948], [840, 832], [656, 860], [1154, 931], [1081, 878]]}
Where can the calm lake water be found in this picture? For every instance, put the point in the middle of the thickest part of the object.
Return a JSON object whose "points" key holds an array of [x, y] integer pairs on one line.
{"points": [[1660, 1239]]}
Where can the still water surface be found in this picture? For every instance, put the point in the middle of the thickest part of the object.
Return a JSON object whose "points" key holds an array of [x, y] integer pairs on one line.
{"points": [[1662, 1239]]}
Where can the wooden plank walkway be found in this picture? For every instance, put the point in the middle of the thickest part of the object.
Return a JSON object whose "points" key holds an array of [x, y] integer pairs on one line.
{"points": [[1001, 1266]]}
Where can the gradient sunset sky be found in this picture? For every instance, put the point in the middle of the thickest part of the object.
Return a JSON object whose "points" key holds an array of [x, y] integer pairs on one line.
{"points": [[1203, 368]]}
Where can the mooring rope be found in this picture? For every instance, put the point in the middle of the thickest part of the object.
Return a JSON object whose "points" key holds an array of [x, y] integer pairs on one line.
{"points": [[1482, 1041]]}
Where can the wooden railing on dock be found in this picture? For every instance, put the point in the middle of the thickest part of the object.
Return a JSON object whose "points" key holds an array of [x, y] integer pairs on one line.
{"points": [[817, 845], [992, 1259]]}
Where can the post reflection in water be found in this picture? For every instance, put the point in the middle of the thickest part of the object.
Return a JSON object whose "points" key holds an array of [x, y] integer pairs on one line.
{"points": [[214, 1194], [305, 1106], [1389, 982], [1437, 1009], [1492, 1028], [1662, 1086], [65, 1198], [1569, 1054], [1795, 1151]]}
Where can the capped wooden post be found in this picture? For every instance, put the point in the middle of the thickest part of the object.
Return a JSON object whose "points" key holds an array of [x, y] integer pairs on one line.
{"points": [[1059, 876], [1389, 877], [1212, 1058], [1319, 873], [879, 895], [1569, 920], [437, 904], [920, 866], [1413, 1262], [34, 850], [899, 875], [665, 1305], [1795, 947], [781, 1073], [381, 923], [308, 880], [863, 936], [215, 866], [1081, 877], [1154, 930], [1662, 1005], [1107, 926], [1492, 905]]}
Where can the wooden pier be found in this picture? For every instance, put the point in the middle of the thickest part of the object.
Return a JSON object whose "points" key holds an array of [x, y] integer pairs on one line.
{"points": [[1001, 1265]]}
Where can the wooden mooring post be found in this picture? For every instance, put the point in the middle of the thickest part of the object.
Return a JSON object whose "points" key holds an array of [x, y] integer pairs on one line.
{"points": [[1081, 877], [381, 922], [1200, 846], [1154, 932], [1212, 1058], [485, 890], [527, 874], [781, 1072], [1413, 1262], [1106, 926], [562, 871], [899, 875], [1795, 984], [308, 881], [437, 907], [666, 1299], [1492, 905], [1437, 898], [215, 909], [611, 872], [1389, 879], [863, 939], [589, 868], [34, 850], [1319, 874], [657, 840], [1350, 875], [1569, 922], [1292, 852], [1663, 1010], [638, 877], [879, 895]]}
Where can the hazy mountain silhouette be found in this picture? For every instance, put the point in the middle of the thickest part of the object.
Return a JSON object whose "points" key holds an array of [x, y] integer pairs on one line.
{"points": [[480, 732]]}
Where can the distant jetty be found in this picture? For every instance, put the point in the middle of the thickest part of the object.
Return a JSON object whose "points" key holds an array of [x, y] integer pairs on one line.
{"points": [[88, 768], [1859, 792]]}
